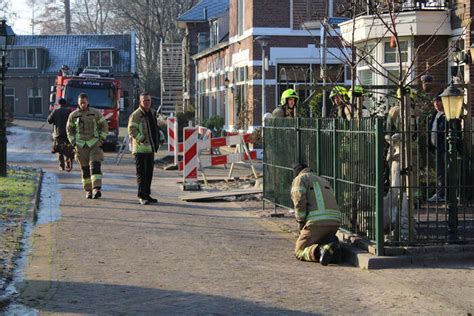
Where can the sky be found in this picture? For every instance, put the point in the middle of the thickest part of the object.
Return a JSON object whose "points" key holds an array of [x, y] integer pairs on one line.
{"points": [[22, 23]]}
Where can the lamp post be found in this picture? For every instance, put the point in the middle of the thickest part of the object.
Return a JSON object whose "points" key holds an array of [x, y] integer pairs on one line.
{"points": [[7, 38], [263, 41], [452, 99]]}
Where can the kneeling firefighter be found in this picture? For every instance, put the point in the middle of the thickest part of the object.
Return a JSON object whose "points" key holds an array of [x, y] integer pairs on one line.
{"points": [[318, 216]]}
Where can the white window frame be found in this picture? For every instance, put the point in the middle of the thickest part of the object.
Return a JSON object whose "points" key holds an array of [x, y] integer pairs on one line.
{"points": [[100, 51], [240, 31]]}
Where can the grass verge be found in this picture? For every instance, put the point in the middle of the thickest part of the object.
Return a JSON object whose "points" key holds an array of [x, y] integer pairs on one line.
{"points": [[16, 203]]}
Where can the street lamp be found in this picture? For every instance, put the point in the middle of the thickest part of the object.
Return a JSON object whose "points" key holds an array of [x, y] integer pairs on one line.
{"points": [[7, 38], [452, 99], [263, 41]]}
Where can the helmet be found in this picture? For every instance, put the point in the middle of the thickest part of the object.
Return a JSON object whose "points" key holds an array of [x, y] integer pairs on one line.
{"points": [[289, 93], [409, 91], [338, 90], [358, 91]]}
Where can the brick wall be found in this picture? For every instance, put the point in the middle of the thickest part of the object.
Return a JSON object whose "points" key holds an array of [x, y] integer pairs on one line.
{"points": [[308, 10], [271, 13]]}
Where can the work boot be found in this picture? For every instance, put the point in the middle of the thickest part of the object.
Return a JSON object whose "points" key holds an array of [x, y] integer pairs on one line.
{"points": [[68, 164], [97, 194], [88, 194], [337, 255], [151, 200], [326, 254]]}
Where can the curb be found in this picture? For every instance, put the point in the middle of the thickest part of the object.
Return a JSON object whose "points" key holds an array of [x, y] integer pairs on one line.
{"points": [[405, 257], [37, 194]]}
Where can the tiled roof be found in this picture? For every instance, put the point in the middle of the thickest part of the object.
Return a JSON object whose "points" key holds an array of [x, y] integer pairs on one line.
{"points": [[196, 13], [71, 50]]}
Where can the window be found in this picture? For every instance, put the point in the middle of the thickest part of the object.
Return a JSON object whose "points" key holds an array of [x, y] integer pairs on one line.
{"points": [[240, 17], [100, 58], [34, 101], [367, 55], [22, 58], [391, 54], [10, 100], [214, 34]]}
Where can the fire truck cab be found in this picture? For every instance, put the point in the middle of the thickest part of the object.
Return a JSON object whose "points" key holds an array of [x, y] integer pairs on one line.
{"points": [[104, 92]]}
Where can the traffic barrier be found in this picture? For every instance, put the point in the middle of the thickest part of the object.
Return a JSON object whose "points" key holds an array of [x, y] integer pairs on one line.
{"points": [[193, 148], [172, 124], [190, 158]]}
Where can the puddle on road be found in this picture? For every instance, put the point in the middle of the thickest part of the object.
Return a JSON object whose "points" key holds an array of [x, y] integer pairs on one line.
{"points": [[48, 211], [26, 145]]}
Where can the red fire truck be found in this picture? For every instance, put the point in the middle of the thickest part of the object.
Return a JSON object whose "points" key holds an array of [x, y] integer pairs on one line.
{"points": [[105, 94]]}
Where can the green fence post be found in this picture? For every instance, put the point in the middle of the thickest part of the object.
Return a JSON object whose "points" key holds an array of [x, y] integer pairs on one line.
{"points": [[318, 147], [335, 158], [298, 140], [379, 138]]}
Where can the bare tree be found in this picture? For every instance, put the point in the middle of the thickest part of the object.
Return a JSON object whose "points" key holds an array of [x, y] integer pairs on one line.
{"points": [[93, 16]]}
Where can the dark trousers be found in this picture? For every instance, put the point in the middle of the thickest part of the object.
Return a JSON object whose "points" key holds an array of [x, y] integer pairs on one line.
{"points": [[144, 164], [441, 173]]}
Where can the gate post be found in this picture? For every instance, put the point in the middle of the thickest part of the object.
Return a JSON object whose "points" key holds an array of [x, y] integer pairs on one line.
{"points": [[379, 139]]}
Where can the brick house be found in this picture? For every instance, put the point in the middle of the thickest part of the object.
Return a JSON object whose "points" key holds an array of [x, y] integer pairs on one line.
{"points": [[36, 59], [428, 32], [228, 70]]}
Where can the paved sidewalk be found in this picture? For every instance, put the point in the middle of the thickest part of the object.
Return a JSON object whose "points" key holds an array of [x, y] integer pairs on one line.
{"points": [[114, 256]]}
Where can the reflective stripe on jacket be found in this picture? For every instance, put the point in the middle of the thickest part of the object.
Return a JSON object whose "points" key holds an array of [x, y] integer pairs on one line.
{"points": [[313, 199], [87, 127], [139, 131]]}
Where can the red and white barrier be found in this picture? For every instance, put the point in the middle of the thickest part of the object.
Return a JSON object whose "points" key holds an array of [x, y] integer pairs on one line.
{"points": [[172, 124], [227, 159], [190, 154]]}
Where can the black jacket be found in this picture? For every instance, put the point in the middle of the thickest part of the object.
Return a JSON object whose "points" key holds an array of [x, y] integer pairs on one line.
{"points": [[441, 134], [58, 117]]}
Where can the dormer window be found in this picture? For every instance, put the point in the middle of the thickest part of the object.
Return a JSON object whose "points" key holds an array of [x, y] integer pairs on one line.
{"points": [[100, 58], [22, 58]]}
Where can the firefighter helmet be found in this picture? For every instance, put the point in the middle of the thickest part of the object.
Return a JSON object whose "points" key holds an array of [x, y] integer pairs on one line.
{"points": [[338, 90], [287, 94], [358, 91]]}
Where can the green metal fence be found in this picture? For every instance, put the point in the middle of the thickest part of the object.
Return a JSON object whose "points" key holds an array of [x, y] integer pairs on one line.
{"points": [[357, 158]]}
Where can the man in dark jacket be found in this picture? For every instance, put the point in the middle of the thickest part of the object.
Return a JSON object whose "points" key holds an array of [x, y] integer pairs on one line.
{"points": [[437, 142], [58, 117], [146, 137]]}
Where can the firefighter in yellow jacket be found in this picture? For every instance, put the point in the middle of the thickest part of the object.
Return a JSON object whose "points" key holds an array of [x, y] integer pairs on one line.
{"points": [[318, 216], [86, 130]]}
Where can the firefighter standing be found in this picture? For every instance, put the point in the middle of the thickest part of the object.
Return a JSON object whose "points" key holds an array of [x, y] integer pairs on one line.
{"points": [[341, 104], [318, 216], [288, 104], [146, 137], [87, 130], [61, 145]]}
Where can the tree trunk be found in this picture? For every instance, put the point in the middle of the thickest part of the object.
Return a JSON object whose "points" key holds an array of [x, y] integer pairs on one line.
{"points": [[67, 16]]}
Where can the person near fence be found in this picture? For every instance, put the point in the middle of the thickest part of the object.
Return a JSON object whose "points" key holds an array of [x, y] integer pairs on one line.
{"points": [[437, 142], [146, 137], [318, 217], [86, 130], [288, 104], [341, 106], [61, 145]]}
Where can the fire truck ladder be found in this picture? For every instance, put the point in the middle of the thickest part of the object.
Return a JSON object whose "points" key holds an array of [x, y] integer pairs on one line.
{"points": [[171, 71]]}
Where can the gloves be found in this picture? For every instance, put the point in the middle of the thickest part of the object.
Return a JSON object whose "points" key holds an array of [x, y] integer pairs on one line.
{"points": [[301, 225]]}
